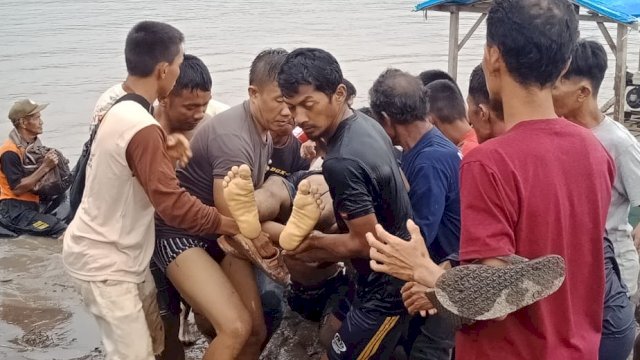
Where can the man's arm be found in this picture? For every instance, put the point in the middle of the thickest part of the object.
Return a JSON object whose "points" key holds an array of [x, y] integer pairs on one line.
{"points": [[14, 171], [629, 168], [148, 160], [351, 186]]}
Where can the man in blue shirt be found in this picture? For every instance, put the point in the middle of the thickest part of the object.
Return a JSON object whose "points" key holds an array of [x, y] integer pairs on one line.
{"points": [[431, 164]]}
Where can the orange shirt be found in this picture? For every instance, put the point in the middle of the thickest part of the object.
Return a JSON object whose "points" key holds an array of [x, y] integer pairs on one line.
{"points": [[469, 142], [5, 188]]}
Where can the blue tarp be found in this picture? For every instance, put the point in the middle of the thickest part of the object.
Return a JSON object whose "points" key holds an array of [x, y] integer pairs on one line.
{"points": [[623, 11]]}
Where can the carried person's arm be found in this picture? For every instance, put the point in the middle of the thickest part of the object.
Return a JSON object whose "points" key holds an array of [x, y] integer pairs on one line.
{"points": [[150, 163], [14, 171]]}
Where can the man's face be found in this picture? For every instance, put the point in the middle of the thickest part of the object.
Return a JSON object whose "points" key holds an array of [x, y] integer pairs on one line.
{"points": [[316, 112], [186, 109], [169, 74], [283, 129], [32, 123], [479, 119], [567, 97], [270, 106]]}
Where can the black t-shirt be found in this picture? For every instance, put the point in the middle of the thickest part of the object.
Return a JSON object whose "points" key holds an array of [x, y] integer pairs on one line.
{"points": [[12, 168], [364, 177], [286, 160]]}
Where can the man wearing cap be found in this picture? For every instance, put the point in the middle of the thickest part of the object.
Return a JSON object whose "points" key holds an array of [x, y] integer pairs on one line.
{"points": [[19, 205]]}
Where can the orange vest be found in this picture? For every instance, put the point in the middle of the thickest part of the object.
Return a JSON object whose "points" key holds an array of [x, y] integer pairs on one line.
{"points": [[5, 189]]}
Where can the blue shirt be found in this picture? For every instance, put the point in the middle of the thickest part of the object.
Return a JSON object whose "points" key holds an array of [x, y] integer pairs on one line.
{"points": [[432, 168]]}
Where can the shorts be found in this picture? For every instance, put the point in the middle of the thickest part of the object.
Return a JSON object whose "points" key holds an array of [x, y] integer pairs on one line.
{"points": [[315, 302], [167, 249], [375, 322], [367, 334], [127, 316]]}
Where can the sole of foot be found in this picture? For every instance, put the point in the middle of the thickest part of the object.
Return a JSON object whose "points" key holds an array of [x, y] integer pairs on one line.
{"points": [[307, 208], [240, 198]]}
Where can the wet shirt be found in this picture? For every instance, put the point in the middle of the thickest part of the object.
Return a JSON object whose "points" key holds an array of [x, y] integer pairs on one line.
{"points": [[364, 178], [541, 188], [229, 139], [432, 168], [286, 160]]}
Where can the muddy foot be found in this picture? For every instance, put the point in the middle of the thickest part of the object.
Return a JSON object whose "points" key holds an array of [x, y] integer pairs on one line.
{"points": [[307, 208], [238, 193]]}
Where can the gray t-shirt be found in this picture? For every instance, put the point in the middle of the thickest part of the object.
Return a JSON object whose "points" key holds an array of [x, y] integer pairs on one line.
{"points": [[231, 138], [625, 152]]}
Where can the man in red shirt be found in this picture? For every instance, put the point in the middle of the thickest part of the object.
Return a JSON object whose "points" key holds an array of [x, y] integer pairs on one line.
{"points": [[541, 188]]}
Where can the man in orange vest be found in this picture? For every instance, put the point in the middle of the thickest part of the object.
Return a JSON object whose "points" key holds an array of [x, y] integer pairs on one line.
{"points": [[19, 205]]}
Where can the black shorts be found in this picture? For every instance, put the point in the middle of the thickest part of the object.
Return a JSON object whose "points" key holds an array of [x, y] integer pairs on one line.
{"points": [[367, 334], [375, 321]]}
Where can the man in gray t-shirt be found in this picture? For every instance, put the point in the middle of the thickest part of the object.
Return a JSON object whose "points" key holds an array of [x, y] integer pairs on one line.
{"points": [[575, 97]]}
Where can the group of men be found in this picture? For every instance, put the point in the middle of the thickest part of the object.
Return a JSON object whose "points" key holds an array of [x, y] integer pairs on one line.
{"points": [[220, 209]]}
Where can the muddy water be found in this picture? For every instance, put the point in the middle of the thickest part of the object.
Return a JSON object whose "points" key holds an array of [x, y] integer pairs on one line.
{"points": [[41, 316]]}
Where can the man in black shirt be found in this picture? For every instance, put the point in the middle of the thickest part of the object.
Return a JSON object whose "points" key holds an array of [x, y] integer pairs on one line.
{"points": [[285, 158], [366, 186]]}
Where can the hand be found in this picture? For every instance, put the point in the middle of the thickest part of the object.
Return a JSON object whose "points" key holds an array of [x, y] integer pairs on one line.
{"points": [[415, 299], [264, 246], [308, 150], [228, 226], [636, 237], [178, 148], [406, 260], [50, 160]]}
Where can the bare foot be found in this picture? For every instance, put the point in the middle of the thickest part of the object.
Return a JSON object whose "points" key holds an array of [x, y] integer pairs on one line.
{"points": [[307, 208], [238, 193]]}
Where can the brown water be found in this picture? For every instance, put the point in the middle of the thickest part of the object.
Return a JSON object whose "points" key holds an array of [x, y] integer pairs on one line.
{"points": [[67, 52]]}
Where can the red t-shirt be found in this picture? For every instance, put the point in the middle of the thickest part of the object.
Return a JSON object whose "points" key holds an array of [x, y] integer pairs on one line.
{"points": [[541, 188], [469, 142]]}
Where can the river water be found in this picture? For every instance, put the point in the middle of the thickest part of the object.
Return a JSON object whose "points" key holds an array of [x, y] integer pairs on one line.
{"points": [[66, 52]]}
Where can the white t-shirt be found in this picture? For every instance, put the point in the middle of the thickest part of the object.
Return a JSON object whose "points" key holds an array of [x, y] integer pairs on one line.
{"points": [[105, 102], [625, 152]]}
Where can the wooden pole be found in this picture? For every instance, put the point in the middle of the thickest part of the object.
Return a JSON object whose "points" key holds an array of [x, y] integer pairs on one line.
{"points": [[620, 83], [454, 27]]}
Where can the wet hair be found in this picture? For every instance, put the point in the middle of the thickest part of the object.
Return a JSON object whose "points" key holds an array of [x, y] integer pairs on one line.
{"points": [[445, 101], [150, 43], [429, 76], [589, 61], [478, 86], [351, 90], [535, 38], [367, 111], [194, 75], [400, 95], [310, 66], [265, 67]]}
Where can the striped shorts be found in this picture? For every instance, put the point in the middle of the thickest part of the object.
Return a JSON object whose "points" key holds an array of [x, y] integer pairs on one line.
{"points": [[168, 249]]}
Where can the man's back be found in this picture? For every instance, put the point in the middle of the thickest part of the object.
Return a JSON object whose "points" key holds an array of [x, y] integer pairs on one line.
{"points": [[541, 188], [432, 168]]}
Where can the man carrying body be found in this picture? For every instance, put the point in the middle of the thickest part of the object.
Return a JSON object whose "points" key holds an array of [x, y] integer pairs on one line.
{"points": [[448, 113], [109, 243], [19, 204], [431, 164], [366, 188], [519, 196]]}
